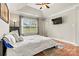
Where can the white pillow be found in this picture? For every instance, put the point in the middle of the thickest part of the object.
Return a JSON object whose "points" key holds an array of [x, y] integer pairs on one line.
{"points": [[15, 34], [16, 37], [20, 39], [10, 38]]}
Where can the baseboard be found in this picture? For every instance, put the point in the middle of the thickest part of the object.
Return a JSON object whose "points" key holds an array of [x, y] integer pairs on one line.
{"points": [[66, 42]]}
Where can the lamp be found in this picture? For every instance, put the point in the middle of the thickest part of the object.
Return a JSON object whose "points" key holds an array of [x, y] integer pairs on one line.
{"points": [[14, 21]]}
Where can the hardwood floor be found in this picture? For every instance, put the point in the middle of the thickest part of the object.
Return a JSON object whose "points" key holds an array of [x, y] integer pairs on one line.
{"points": [[68, 50]]}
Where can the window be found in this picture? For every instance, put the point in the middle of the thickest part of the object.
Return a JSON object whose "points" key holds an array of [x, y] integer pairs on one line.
{"points": [[29, 26]]}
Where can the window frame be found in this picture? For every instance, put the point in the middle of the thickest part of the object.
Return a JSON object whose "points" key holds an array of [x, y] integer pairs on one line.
{"points": [[21, 24]]}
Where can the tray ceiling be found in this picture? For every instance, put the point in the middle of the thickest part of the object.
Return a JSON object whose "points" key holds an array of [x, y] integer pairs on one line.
{"points": [[34, 9]]}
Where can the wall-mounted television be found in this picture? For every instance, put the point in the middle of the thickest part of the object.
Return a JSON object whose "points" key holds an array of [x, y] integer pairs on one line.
{"points": [[57, 20]]}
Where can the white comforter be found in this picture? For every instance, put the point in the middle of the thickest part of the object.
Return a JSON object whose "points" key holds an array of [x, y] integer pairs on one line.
{"points": [[31, 46]]}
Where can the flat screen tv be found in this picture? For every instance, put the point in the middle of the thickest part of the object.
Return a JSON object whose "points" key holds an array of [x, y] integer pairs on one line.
{"points": [[57, 20]]}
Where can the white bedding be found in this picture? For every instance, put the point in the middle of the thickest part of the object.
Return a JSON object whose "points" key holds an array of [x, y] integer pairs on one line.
{"points": [[31, 46]]}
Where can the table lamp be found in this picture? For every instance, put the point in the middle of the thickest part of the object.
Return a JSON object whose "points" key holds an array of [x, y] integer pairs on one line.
{"points": [[14, 21]]}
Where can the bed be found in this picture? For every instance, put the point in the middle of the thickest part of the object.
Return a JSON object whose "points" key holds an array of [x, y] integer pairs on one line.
{"points": [[31, 45]]}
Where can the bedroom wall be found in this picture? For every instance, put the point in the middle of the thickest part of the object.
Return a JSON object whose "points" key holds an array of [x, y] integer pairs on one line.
{"points": [[64, 31], [14, 17], [41, 26], [4, 28], [77, 25]]}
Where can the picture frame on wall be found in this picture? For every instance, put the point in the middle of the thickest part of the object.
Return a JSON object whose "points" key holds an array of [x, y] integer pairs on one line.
{"points": [[4, 12]]}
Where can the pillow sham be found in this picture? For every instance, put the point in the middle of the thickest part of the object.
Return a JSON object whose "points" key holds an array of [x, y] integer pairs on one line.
{"points": [[16, 37], [10, 38], [15, 34]]}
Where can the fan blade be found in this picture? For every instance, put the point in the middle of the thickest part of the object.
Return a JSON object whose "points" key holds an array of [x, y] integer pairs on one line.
{"points": [[38, 4], [47, 6], [40, 7], [48, 3]]}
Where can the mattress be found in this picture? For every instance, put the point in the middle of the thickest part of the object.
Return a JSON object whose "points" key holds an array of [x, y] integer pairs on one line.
{"points": [[31, 46]]}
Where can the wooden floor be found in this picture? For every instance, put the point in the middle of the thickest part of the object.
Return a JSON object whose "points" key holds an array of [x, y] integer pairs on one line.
{"points": [[68, 50]]}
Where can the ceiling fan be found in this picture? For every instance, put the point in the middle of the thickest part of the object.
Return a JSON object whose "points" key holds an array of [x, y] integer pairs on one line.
{"points": [[43, 5]]}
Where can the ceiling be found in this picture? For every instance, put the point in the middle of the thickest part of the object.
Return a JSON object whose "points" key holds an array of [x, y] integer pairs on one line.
{"points": [[32, 9], [38, 6]]}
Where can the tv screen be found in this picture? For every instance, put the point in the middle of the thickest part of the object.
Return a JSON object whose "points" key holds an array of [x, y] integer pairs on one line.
{"points": [[57, 20]]}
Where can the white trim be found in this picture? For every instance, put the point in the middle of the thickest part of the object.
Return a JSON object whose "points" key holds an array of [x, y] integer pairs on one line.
{"points": [[26, 14], [66, 41], [66, 10]]}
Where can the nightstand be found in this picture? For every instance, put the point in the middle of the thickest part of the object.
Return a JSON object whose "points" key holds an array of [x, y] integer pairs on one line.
{"points": [[1, 48]]}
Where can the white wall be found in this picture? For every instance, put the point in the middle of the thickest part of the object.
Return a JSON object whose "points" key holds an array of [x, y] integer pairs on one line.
{"points": [[4, 27], [64, 31], [14, 17], [41, 26], [77, 26]]}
